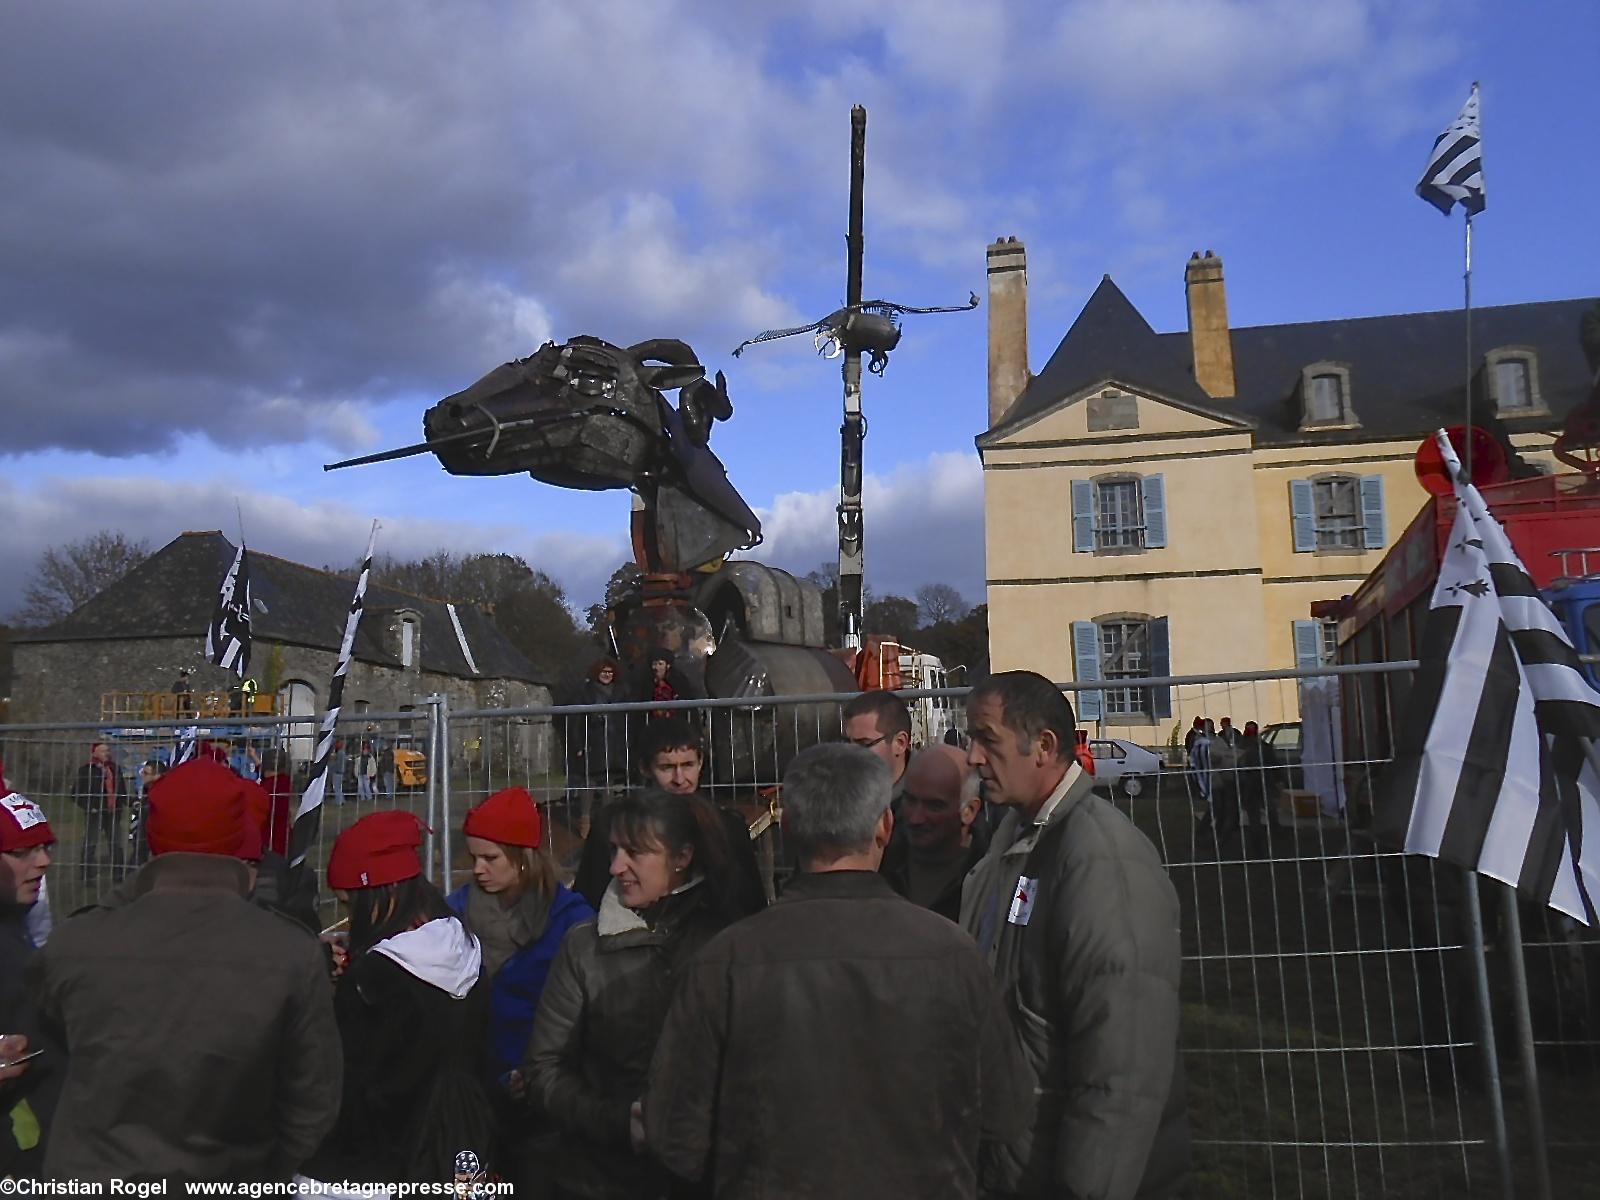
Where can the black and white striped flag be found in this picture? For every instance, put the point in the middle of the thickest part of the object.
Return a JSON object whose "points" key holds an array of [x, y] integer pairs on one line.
{"points": [[308, 817], [1494, 767], [1455, 167], [228, 637]]}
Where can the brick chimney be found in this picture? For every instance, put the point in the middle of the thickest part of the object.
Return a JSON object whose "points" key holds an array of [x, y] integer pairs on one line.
{"points": [[1008, 326], [1209, 336]]}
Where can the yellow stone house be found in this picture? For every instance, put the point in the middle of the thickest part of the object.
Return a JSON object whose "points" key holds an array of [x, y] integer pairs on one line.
{"points": [[1173, 504]]}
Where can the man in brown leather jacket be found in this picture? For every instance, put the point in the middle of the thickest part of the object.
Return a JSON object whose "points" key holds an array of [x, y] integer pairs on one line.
{"points": [[844, 1042]]}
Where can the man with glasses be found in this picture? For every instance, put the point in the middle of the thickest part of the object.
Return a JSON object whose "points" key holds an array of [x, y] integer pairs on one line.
{"points": [[881, 722]]}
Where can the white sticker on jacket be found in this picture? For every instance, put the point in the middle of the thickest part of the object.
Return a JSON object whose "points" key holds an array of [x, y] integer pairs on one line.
{"points": [[1022, 901]]}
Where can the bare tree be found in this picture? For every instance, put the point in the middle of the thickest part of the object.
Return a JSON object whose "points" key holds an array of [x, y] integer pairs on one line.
{"points": [[68, 575], [939, 602]]}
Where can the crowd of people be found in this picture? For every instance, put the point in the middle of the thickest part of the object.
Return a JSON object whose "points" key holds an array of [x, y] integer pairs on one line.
{"points": [[597, 743], [968, 986], [1233, 777]]}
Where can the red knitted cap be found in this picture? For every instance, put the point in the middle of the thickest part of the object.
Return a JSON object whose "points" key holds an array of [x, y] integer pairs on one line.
{"points": [[22, 822], [201, 807], [510, 817], [380, 848]]}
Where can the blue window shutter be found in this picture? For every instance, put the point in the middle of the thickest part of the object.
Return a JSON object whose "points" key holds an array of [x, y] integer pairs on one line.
{"points": [[1303, 512], [1372, 515], [1155, 511], [1160, 665], [1086, 658], [1082, 516], [1307, 645]]}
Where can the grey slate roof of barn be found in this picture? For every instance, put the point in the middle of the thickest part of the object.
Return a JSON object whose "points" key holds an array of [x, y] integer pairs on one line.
{"points": [[1405, 370], [173, 592]]}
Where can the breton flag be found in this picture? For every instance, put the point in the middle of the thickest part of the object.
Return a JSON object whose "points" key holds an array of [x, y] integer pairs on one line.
{"points": [[308, 817], [1493, 767], [1455, 167], [228, 638]]}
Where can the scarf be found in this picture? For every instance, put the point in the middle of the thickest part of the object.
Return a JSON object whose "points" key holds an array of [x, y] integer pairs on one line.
{"points": [[504, 929], [108, 778], [660, 691]]}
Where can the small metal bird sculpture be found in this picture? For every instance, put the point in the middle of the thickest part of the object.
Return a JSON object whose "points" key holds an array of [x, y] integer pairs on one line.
{"points": [[871, 327]]}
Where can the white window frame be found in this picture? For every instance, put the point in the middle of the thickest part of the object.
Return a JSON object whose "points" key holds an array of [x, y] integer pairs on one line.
{"points": [[1124, 702], [1356, 530], [1134, 532]]}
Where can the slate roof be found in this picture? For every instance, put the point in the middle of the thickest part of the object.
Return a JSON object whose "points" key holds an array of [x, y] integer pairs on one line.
{"points": [[173, 593], [1405, 370]]}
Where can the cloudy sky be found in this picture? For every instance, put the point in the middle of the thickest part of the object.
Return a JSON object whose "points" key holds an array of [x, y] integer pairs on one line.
{"points": [[240, 241]]}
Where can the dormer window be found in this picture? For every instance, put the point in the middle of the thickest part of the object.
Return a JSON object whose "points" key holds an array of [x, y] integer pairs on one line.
{"points": [[407, 634], [1513, 379], [1325, 397]]}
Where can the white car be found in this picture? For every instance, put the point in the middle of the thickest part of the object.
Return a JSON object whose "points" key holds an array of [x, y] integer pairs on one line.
{"points": [[1123, 764]]}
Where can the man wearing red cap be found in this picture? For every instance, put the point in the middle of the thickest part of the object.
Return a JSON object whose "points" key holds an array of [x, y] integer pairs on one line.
{"points": [[200, 1026], [28, 1091]]}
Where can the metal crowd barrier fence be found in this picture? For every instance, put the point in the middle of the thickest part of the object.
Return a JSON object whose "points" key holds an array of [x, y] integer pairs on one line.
{"points": [[1355, 1021], [381, 761]]}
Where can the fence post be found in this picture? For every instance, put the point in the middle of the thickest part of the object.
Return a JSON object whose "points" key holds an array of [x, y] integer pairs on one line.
{"points": [[443, 818], [1525, 1047], [1491, 1057], [436, 763]]}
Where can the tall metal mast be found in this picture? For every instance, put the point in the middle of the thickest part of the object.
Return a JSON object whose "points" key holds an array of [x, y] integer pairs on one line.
{"points": [[852, 552]]}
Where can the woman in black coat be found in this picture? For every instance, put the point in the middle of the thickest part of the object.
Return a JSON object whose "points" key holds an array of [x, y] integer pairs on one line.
{"points": [[412, 1019], [607, 995]]}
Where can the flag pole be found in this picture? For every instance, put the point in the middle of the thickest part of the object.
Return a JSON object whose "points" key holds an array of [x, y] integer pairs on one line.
{"points": [[1466, 281], [308, 816]]}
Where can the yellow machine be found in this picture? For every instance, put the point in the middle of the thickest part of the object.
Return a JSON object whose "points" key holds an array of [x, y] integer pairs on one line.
{"points": [[410, 768]]}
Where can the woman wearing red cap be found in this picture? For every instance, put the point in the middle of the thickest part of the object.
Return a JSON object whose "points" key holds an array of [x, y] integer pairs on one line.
{"points": [[410, 1016], [671, 891], [520, 914]]}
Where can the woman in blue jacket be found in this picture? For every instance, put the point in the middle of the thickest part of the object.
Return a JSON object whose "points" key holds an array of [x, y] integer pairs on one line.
{"points": [[520, 914]]}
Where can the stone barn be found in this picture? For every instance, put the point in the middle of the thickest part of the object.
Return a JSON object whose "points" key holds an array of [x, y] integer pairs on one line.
{"points": [[134, 637]]}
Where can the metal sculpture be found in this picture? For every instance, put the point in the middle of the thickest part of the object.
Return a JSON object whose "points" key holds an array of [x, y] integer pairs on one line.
{"points": [[590, 415], [871, 327]]}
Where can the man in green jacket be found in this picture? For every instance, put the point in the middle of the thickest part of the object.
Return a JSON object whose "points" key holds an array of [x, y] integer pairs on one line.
{"points": [[1075, 913]]}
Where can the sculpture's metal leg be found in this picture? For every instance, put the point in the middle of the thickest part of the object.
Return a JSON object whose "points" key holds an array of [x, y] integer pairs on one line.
{"points": [[852, 550]]}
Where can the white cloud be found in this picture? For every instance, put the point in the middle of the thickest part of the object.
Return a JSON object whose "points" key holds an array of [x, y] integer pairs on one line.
{"points": [[924, 524], [635, 268]]}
